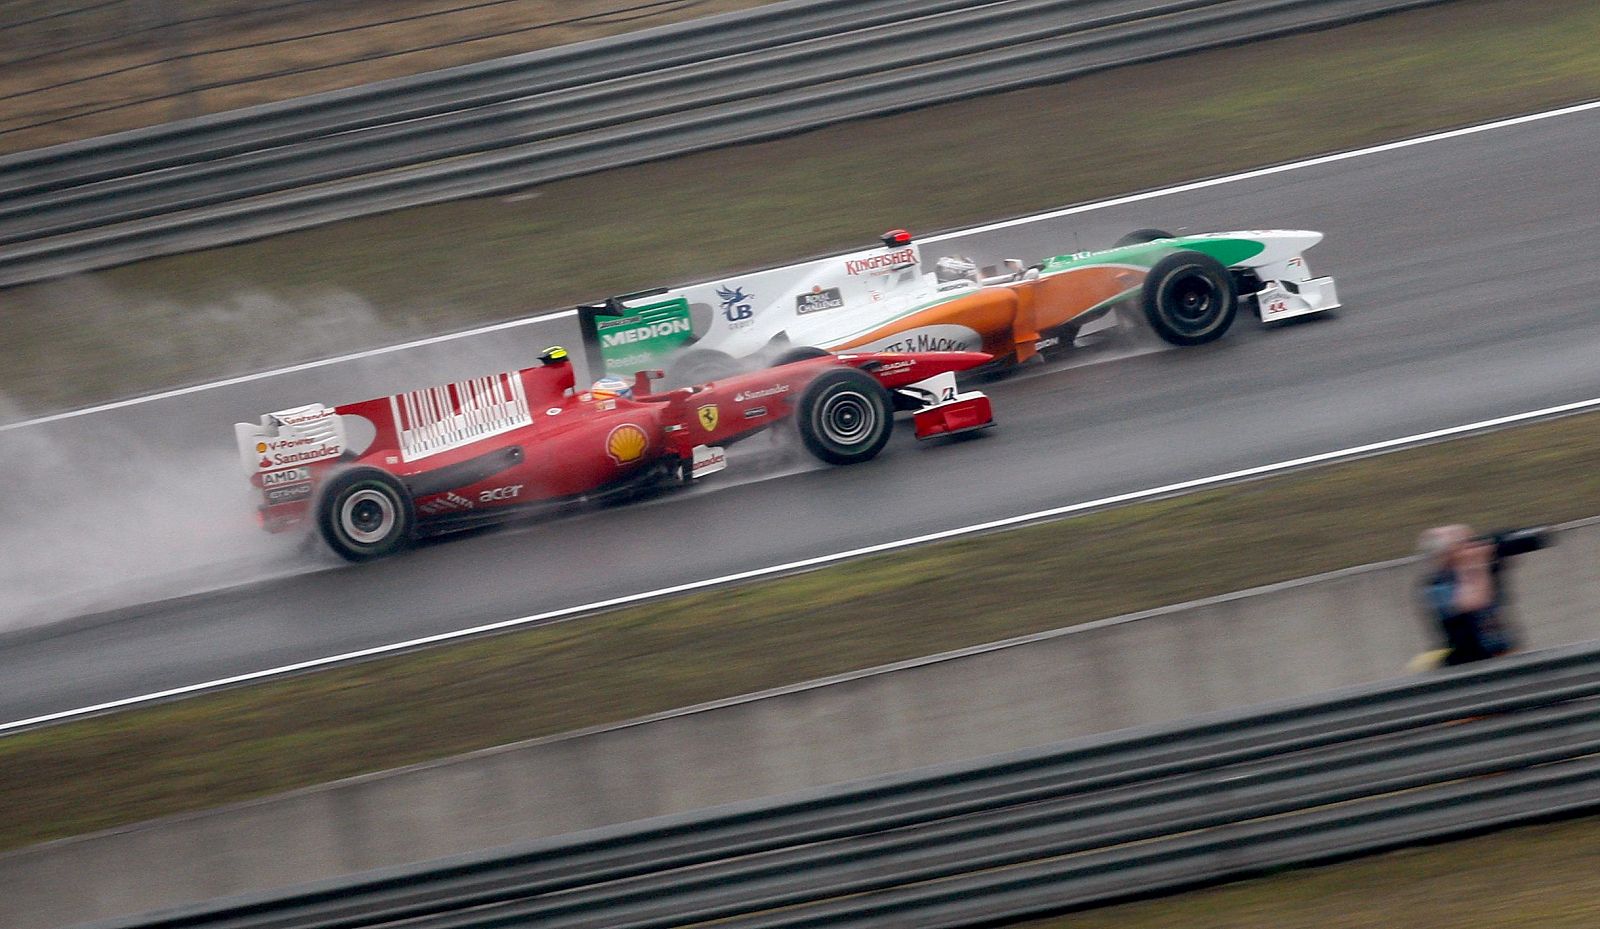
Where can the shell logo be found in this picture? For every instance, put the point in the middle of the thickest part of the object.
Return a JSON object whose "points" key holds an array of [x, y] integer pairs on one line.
{"points": [[626, 443], [261, 448]]}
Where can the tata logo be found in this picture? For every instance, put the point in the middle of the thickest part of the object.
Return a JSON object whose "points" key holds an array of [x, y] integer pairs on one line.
{"points": [[708, 417], [736, 305]]}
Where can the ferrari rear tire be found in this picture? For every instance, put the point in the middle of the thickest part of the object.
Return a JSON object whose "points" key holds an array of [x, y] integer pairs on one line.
{"points": [[1189, 298], [844, 417], [1141, 236], [365, 513]]}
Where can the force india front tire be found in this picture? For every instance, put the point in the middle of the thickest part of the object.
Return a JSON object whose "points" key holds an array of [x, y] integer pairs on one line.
{"points": [[364, 514], [844, 416], [1189, 298]]}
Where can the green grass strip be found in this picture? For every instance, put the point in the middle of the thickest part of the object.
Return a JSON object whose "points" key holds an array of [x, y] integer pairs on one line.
{"points": [[229, 746], [417, 272]]}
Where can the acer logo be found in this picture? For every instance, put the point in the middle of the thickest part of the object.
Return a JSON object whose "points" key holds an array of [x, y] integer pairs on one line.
{"points": [[500, 493]]}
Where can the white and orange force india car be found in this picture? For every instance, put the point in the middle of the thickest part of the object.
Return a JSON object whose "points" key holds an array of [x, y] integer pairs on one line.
{"points": [[1187, 288], [375, 475]]}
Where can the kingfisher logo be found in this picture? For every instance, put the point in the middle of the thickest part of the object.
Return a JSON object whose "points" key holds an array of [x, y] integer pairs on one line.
{"points": [[882, 264]]}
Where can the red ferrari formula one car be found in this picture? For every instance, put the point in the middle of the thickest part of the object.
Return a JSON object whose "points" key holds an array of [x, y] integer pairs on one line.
{"points": [[375, 475]]}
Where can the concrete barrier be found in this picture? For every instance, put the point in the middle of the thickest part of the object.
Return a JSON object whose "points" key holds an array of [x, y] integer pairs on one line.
{"points": [[1347, 627]]}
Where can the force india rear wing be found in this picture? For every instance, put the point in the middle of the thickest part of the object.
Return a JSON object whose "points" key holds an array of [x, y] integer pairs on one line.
{"points": [[621, 339]]}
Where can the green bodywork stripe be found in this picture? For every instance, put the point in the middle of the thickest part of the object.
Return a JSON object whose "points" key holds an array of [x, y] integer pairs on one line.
{"points": [[1229, 251]]}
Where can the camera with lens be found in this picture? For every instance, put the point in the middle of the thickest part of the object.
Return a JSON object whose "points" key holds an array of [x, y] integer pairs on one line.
{"points": [[1513, 542]]}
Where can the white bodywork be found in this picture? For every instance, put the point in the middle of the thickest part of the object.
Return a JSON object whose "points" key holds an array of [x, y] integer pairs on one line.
{"points": [[290, 438]]}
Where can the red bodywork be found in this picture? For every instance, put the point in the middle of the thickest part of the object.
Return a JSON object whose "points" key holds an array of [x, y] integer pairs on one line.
{"points": [[468, 452]]}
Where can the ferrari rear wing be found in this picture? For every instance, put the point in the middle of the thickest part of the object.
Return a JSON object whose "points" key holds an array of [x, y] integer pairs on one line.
{"points": [[290, 439]]}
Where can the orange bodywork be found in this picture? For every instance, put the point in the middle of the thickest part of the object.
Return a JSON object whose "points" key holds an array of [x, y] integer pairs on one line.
{"points": [[1011, 317]]}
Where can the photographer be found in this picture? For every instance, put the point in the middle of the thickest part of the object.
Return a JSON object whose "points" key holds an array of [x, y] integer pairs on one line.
{"points": [[1465, 589]]}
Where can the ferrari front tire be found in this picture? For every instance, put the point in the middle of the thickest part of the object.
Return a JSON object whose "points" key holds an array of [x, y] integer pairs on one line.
{"points": [[1189, 298], [365, 513], [844, 417]]}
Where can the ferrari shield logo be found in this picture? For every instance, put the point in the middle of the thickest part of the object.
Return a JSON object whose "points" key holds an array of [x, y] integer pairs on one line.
{"points": [[708, 417]]}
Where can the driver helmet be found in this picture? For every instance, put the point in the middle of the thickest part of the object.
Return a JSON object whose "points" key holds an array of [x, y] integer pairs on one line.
{"points": [[610, 387], [955, 268]]}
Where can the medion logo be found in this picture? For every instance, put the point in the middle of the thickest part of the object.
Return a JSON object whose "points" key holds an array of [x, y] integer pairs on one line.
{"points": [[644, 333]]}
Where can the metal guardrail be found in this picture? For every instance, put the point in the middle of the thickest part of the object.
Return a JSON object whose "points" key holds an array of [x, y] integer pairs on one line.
{"points": [[1088, 821], [509, 124]]}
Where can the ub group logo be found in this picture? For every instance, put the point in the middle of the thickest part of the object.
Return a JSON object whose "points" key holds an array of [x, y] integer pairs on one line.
{"points": [[626, 443], [736, 304]]}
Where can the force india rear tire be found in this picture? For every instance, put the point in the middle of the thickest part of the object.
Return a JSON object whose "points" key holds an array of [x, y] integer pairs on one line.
{"points": [[365, 513], [1189, 298], [1141, 236], [699, 366], [800, 353], [844, 416]]}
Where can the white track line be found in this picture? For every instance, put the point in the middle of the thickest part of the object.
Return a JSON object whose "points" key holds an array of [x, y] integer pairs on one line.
{"points": [[942, 237], [1276, 169], [807, 563]]}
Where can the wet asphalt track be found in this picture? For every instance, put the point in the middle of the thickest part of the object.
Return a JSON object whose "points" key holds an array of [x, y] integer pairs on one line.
{"points": [[1466, 266]]}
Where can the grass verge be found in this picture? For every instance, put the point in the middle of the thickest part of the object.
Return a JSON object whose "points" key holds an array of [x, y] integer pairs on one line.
{"points": [[385, 278], [229, 746], [1546, 876]]}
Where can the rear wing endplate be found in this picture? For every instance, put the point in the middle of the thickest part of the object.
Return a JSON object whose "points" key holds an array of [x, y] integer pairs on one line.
{"points": [[290, 439]]}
